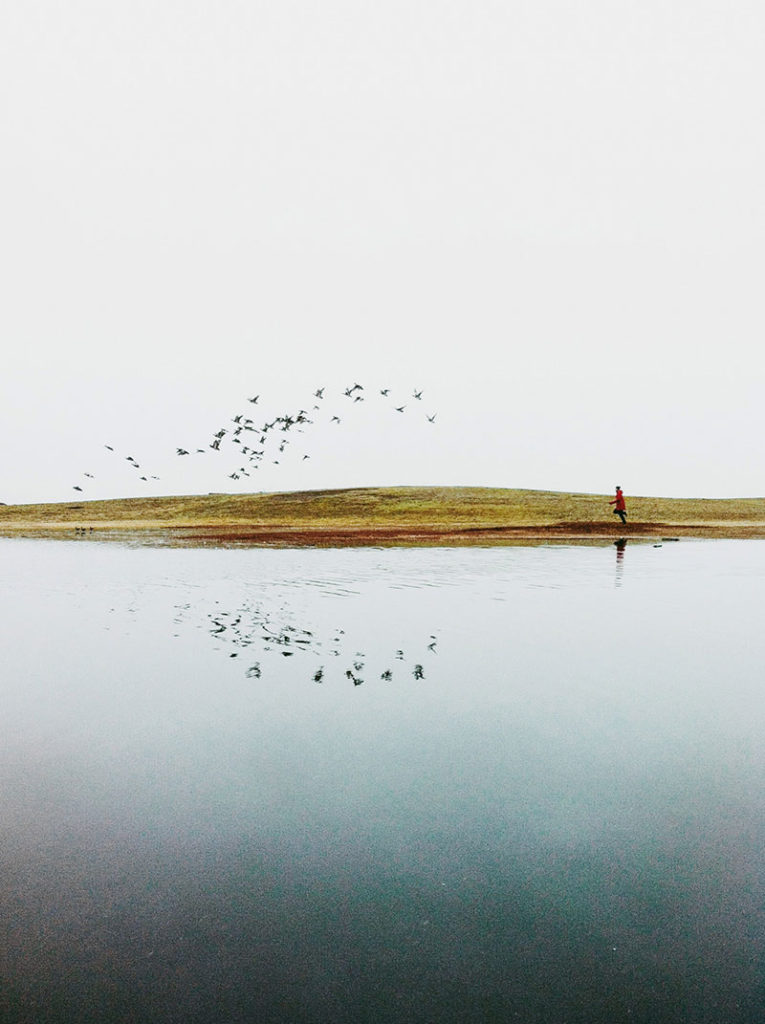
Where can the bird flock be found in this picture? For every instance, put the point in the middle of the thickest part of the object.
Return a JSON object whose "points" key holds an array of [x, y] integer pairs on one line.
{"points": [[249, 441]]}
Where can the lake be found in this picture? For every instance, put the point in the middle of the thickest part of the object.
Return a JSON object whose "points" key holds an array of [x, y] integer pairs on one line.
{"points": [[422, 785]]}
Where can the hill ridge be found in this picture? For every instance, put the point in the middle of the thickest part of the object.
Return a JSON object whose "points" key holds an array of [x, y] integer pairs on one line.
{"points": [[448, 514]]}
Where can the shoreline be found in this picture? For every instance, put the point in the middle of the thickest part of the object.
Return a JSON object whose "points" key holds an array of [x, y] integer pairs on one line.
{"points": [[386, 517], [241, 535]]}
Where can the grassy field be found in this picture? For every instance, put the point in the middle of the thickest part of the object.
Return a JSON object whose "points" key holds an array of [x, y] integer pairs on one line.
{"points": [[414, 515]]}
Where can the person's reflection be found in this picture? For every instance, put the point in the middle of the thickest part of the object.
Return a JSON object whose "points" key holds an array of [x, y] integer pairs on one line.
{"points": [[620, 545]]}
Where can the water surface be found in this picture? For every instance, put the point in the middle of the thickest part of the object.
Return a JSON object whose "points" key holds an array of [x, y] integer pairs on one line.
{"points": [[382, 785]]}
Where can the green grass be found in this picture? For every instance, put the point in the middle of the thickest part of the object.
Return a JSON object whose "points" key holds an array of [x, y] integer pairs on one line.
{"points": [[440, 509]]}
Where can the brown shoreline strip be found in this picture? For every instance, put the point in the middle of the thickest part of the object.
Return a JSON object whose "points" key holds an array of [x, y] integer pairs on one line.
{"points": [[362, 536]]}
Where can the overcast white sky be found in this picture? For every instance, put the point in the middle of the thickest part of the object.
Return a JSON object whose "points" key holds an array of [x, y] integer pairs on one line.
{"points": [[548, 215]]}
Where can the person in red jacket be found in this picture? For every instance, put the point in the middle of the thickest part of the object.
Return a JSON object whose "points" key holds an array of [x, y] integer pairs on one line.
{"points": [[621, 508]]}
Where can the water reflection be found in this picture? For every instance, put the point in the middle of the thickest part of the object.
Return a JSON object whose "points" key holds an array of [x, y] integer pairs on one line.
{"points": [[266, 632], [498, 826], [620, 546]]}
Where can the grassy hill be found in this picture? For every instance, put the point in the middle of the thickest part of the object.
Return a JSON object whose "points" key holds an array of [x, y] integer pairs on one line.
{"points": [[389, 515]]}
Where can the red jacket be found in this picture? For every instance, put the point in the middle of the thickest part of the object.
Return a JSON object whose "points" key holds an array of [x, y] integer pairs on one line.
{"points": [[619, 501]]}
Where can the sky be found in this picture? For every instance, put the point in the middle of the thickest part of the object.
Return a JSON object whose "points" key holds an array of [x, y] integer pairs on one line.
{"points": [[546, 216]]}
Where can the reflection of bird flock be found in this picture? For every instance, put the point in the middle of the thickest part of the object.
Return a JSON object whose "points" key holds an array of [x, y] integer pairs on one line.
{"points": [[249, 628], [257, 442]]}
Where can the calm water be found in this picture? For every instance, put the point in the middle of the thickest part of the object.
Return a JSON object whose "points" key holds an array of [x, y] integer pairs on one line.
{"points": [[519, 784]]}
